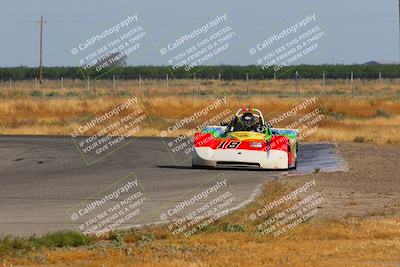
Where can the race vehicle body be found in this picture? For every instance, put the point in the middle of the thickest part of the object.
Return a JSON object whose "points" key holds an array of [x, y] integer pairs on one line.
{"points": [[246, 141]]}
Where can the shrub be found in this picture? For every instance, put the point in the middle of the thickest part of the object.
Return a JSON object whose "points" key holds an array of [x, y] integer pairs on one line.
{"points": [[234, 228], [147, 238], [117, 239], [21, 245], [36, 93], [71, 94], [125, 94], [14, 245], [52, 94], [61, 239], [380, 113], [359, 139]]}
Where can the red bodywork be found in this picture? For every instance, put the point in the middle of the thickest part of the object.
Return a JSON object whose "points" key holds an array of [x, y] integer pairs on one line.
{"points": [[276, 143], [208, 140]]}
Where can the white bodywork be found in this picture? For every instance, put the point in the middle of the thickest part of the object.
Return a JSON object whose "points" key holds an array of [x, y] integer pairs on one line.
{"points": [[273, 159]]}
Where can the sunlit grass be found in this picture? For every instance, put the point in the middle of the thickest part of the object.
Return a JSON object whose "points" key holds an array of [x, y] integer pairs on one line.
{"points": [[375, 118], [319, 242]]}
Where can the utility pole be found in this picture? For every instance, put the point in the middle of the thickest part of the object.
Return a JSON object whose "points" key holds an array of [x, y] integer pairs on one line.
{"points": [[247, 84], [352, 84], [41, 49], [297, 83], [399, 31]]}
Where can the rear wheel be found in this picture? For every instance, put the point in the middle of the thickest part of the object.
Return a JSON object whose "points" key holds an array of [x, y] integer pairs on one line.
{"points": [[293, 156], [297, 154], [288, 157]]}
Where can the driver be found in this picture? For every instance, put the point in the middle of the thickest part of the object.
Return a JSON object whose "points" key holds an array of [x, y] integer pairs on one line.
{"points": [[247, 122]]}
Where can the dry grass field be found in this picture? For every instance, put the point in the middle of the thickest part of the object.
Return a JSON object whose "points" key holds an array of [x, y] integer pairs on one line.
{"points": [[372, 115], [84, 89], [369, 238]]}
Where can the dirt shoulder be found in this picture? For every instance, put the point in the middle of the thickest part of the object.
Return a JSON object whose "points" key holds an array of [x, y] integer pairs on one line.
{"points": [[370, 187]]}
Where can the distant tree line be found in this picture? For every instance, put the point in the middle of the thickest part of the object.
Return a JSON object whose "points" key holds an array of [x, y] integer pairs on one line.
{"points": [[226, 72]]}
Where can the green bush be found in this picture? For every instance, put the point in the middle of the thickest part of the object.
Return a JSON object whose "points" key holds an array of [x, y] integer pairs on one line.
{"points": [[380, 113], [116, 238], [317, 170], [14, 245], [234, 228], [36, 93], [61, 239], [52, 94], [21, 245], [71, 94], [359, 139], [125, 94], [147, 237]]}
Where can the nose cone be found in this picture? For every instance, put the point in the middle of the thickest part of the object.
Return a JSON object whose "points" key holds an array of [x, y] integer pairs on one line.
{"points": [[204, 152]]}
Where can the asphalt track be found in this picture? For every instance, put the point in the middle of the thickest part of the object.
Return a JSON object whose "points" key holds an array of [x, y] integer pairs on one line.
{"points": [[43, 179]]}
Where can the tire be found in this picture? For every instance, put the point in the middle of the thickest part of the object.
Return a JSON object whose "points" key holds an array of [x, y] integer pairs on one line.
{"points": [[295, 161], [297, 155], [288, 163]]}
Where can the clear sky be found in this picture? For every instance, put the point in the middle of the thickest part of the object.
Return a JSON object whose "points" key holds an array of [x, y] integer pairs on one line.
{"points": [[355, 31]]}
